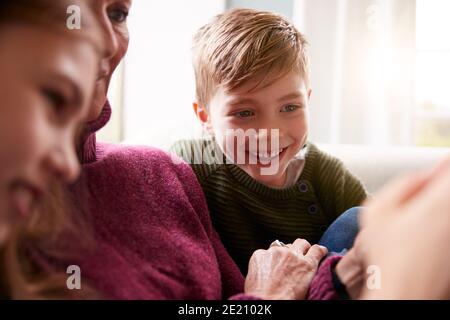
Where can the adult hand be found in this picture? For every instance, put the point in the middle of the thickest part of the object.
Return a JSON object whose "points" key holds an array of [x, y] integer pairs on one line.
{"points": [[351, 271], [406, 235], [283, 272]]}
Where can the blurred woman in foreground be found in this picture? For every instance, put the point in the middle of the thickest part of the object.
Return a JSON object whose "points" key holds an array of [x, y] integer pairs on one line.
{"points": [[47, 76]]}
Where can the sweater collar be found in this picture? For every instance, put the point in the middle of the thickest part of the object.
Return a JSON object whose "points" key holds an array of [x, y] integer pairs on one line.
{"points": [[87, 151], [268, 192]]}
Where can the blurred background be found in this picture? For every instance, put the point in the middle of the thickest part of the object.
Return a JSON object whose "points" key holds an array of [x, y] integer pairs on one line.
{"points": [[380, 70]]}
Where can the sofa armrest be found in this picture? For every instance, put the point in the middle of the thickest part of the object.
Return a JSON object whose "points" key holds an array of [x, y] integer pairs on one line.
{"points": [[375, 166]]}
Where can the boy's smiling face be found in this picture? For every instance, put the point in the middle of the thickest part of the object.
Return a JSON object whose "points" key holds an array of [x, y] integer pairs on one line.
{"points": [[282, 105]]}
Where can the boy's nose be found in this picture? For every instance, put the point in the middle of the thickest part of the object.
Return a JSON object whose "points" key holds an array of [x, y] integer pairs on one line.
{"points": [[271, 124], [270, 137], [267, 132]]}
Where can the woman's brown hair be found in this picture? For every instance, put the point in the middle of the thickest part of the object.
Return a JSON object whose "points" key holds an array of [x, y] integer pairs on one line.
{"points": [[43, 236]]}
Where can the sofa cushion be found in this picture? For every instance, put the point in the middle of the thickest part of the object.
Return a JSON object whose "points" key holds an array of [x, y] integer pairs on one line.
{"points": [[377, 165]]}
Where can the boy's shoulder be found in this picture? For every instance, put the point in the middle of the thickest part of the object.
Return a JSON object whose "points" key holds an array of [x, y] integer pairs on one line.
{"points": [[202, 154], [198, 151], [320, 158], [320, 166]]}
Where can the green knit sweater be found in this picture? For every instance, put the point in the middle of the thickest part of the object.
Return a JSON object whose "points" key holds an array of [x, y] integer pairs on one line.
{"points": [[249, 215]]}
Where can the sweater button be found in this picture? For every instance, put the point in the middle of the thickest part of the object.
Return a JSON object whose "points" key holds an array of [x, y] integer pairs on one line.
{"points": [[312, 209], [303, 186]]}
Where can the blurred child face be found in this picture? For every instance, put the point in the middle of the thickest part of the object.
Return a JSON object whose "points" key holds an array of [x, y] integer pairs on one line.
{"points": [[46, 83], [281, 105]]}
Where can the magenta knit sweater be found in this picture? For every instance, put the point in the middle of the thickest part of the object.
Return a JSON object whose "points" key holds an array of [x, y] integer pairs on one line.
{"points": [[153, 234], [154, 238]]}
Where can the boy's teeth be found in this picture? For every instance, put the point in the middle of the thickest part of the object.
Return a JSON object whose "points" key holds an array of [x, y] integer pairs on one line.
{"points": [[266, 156]]}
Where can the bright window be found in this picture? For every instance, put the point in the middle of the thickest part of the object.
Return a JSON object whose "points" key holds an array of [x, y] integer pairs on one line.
{"points": [[432, 125]]}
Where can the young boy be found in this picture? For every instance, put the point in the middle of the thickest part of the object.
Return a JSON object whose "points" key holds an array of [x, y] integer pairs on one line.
{"points": [[262, 179]]}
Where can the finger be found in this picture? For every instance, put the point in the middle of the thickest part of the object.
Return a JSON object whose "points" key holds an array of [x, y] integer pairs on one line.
{"points": [[316, 253], [401, 191], [403, 188], [300, 246], [442, 166], [258, 253], [277, 243], [435, 196], [408, 185], [391, 196]]}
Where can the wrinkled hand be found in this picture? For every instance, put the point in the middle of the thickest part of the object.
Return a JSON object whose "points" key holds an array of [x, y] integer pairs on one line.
{"points": [[283, 272]]}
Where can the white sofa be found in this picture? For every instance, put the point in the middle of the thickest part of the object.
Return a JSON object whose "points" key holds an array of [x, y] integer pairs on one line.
{"points": [[377, 165]]}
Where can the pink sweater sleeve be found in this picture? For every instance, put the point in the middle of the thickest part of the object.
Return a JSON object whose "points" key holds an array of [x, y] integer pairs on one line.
{"points": [[231, 276], [322, 286]]}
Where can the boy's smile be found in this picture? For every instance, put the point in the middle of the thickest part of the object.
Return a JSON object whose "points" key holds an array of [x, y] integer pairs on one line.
{"points": [[275, 115]]}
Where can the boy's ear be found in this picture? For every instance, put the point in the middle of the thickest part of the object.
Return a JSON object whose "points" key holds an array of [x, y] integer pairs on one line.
{"points": [[200, 112], [309, 94]]}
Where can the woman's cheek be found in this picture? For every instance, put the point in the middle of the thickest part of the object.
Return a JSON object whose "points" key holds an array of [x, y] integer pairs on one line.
{"points": [[98, 100], [4, 225], [37, 140]]}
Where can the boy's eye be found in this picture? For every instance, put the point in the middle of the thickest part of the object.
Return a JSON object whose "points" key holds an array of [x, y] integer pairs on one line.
{"points": [[244, 114], [290, 108], [118, 15]]}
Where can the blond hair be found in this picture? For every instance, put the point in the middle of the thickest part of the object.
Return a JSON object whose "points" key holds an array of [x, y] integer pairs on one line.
{"points": [[245, 44], [38, 237]]}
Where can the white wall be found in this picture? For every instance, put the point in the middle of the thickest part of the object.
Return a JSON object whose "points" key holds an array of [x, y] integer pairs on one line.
{"points": [[283, 7], [362, 79], [159, 81], [362, 56]]}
